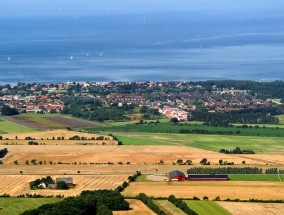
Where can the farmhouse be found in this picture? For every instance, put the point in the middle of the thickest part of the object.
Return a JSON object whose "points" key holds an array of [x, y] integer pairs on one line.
{"points": [[176, 176], [207, 177], [68, 181]]}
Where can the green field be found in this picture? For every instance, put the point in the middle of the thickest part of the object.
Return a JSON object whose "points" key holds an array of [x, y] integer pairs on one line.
{"points": [[261, 145], [10, 127], [15, 206], [206, 207], [259, 177], [281, 119], [167, 127]]}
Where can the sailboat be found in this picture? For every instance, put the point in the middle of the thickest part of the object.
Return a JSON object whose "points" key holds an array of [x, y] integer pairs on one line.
{"points": [[9, 58], [71, 57]]}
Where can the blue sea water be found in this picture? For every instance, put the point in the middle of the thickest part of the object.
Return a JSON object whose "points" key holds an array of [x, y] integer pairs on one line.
{"points": [[163, 47]]}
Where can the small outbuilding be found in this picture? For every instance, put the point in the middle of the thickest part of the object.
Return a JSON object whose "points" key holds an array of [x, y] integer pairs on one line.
{"points": [[176, 176], [68, 181]]}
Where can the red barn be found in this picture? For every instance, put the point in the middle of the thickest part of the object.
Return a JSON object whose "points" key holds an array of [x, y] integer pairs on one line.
{"points": [[176, 176]]}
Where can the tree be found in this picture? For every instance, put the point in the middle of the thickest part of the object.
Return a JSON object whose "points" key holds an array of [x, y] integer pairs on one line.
{"points": [[221, 162], [8, 111], [174, 120], [62, 185]]}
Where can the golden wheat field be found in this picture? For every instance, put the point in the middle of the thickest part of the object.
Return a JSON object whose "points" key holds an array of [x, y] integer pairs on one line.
{"points": [[19, 184], [224, 189], [241, 208]]}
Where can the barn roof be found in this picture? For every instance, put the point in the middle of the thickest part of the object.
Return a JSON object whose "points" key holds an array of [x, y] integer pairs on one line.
{"points": [[66, 180], [176, 173]]}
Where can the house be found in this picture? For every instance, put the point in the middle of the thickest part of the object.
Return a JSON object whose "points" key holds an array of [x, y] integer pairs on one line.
{"points": [[207, 177], [68, 181], [176, 176]]}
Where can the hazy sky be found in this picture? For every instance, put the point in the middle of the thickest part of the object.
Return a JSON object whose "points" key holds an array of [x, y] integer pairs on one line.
{"points": [[93, 7]]}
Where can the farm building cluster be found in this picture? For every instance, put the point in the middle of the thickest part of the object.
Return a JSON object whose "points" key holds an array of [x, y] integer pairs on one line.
{"points": [[49, 183], [180, 176]]}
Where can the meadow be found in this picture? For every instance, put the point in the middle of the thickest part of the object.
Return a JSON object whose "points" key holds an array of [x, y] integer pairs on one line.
{"points": [[167, 127], [15, 206], [261, 145], [206, 207], [260, 177]]}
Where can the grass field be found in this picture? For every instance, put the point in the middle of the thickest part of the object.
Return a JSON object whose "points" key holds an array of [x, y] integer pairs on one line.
{"points": [[261, 145], [260, 177], [206, 207], [10, 127], [167, 127], [281, 119], [168, 207], [15, 206]]}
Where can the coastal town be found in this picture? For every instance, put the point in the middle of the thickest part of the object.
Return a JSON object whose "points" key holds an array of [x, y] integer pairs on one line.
{"points": [[173, 99]]}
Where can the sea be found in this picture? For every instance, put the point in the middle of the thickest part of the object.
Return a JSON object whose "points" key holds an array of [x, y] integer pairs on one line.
{"points": [[185, 46]]}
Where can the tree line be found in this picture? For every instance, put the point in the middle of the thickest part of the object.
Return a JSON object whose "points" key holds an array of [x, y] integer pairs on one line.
{"points": [[225, 170], [245, 116], [101, 202], [181, 205], [237, 150], [150, 204]]}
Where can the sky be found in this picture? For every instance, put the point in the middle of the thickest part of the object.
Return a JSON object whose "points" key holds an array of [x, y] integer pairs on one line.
{"points": [[94, 7]]}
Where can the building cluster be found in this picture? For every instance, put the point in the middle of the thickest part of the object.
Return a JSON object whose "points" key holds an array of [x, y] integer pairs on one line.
{"points": [[174, 99]]}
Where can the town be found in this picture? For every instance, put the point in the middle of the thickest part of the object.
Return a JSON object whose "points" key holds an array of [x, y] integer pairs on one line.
{"points": [[173, 99]]}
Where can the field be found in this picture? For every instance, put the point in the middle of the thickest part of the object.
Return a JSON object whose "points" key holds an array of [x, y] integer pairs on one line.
{"points": [[262, 177], [138, 155], [137, 208], [206, 207], [15, 185], [168, 127], [281, 119], [241, 208], [225, 189], [7, 127], [15, 206], [261, 145], [168, 207], [55, 137], [49, 121]]}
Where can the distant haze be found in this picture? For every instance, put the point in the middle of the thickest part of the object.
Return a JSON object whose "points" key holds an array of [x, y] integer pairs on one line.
{"points": [[95, 7]]}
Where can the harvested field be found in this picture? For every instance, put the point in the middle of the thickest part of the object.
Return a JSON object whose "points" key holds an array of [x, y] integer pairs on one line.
{"points": [[143, 155], [133, 154], [224, 189], [169, 208], [69, 122], [241, 208], [19, 184], [138, 208], [50, 134]]}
